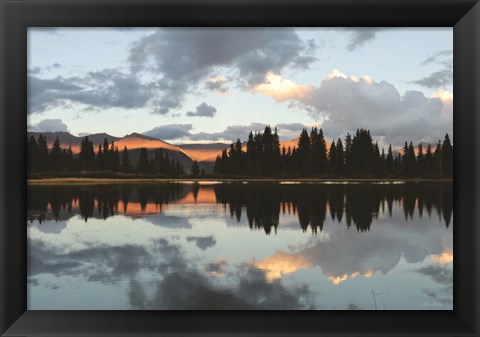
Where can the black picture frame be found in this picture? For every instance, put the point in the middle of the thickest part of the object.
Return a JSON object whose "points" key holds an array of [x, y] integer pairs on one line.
{"points": [[17, 15]]}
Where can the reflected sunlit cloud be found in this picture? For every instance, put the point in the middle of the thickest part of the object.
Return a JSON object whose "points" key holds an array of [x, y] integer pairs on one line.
{"points": [[281, 264]]}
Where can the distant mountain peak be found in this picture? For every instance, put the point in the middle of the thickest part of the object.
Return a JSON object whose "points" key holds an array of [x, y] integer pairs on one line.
{"points": [[139, 135]]}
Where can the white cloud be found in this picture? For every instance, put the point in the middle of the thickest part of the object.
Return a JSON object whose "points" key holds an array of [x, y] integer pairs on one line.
{"points": [[346, 103], [282, 89]]}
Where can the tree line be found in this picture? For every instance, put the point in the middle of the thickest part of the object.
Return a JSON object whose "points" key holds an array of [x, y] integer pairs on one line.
{"points": [[41, 158], [261, 204], [356, 156]]}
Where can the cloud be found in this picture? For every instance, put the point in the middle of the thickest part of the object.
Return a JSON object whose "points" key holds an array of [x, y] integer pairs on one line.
{"points": [[203, 110], [438, 79], [281, 264], [49, 125], [343, 102], [46, 93], [361, 36], [217, 85], [169, 221], [34, 70], [439, 273], [378, 251], [435, 58], [101, 263], [282, 89], [231, 133], [291, 126], [170, 131], [203, 242], [189, 289], [102, 89], [217, 267], [183, 57]]}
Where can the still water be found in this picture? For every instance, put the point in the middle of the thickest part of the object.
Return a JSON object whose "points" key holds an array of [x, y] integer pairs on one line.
{"points": [[241, 246]]}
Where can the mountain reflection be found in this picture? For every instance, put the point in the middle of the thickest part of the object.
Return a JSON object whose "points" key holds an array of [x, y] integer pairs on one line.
{"points": [[262, 203]]}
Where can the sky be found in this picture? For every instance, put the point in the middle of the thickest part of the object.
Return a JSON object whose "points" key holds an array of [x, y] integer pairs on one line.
{"points": [[191, 85]]}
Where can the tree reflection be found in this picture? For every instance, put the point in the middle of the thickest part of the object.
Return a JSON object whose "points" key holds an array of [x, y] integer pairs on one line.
{"points": [[356, 205]]}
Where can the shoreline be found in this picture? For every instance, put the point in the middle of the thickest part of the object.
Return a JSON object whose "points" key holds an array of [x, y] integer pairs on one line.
{"points": [[99, 181]]}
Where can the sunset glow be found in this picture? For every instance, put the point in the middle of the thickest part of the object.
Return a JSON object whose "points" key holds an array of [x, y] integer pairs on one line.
{"points": [[281, 264]]}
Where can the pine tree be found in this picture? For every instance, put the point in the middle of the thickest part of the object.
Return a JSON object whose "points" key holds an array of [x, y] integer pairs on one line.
{"points": [[429, 161], [437, 158], [340, 158], [100, 160], [389, 160], [420, 161], [447, 157], [87, 155], [115, 158], [195, 170], [348, 154], [304, 152], [143, 164], [56, 156], [126, 165], [32, 155], [332, 158], [42, 153]]}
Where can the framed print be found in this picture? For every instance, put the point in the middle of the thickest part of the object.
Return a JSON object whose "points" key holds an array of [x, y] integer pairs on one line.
{"points": [[251, 168]]}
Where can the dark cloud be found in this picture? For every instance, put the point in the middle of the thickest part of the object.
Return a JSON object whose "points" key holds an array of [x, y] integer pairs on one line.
{"points": [[439, 273], [104, 264], [103, 89], [191, 290], [437, 57], [217, 267], [439, 297], [49, 125], [46, 93], [438, 79], [170, 131], [181, 285], [203, 110], [231, 133], [203, 242], [169, 221], [185, 56], [217, 85], [34, 71], [361, 36], [291, 126]]}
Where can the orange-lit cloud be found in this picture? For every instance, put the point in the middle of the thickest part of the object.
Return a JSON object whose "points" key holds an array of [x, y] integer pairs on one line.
{"points": [[281, 264], [282, 89], [342, 278], [445, 257], [217, 267], [446, 97]]}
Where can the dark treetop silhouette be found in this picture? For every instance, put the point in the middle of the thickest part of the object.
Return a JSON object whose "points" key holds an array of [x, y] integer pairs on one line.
{"points": [[356, 156]]}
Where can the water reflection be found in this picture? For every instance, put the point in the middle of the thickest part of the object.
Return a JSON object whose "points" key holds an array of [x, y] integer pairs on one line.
{"points": [[195, 246], [262, 204]]}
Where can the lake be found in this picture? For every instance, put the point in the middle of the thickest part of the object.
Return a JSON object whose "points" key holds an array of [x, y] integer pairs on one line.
{"points": [[214, 245]]}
